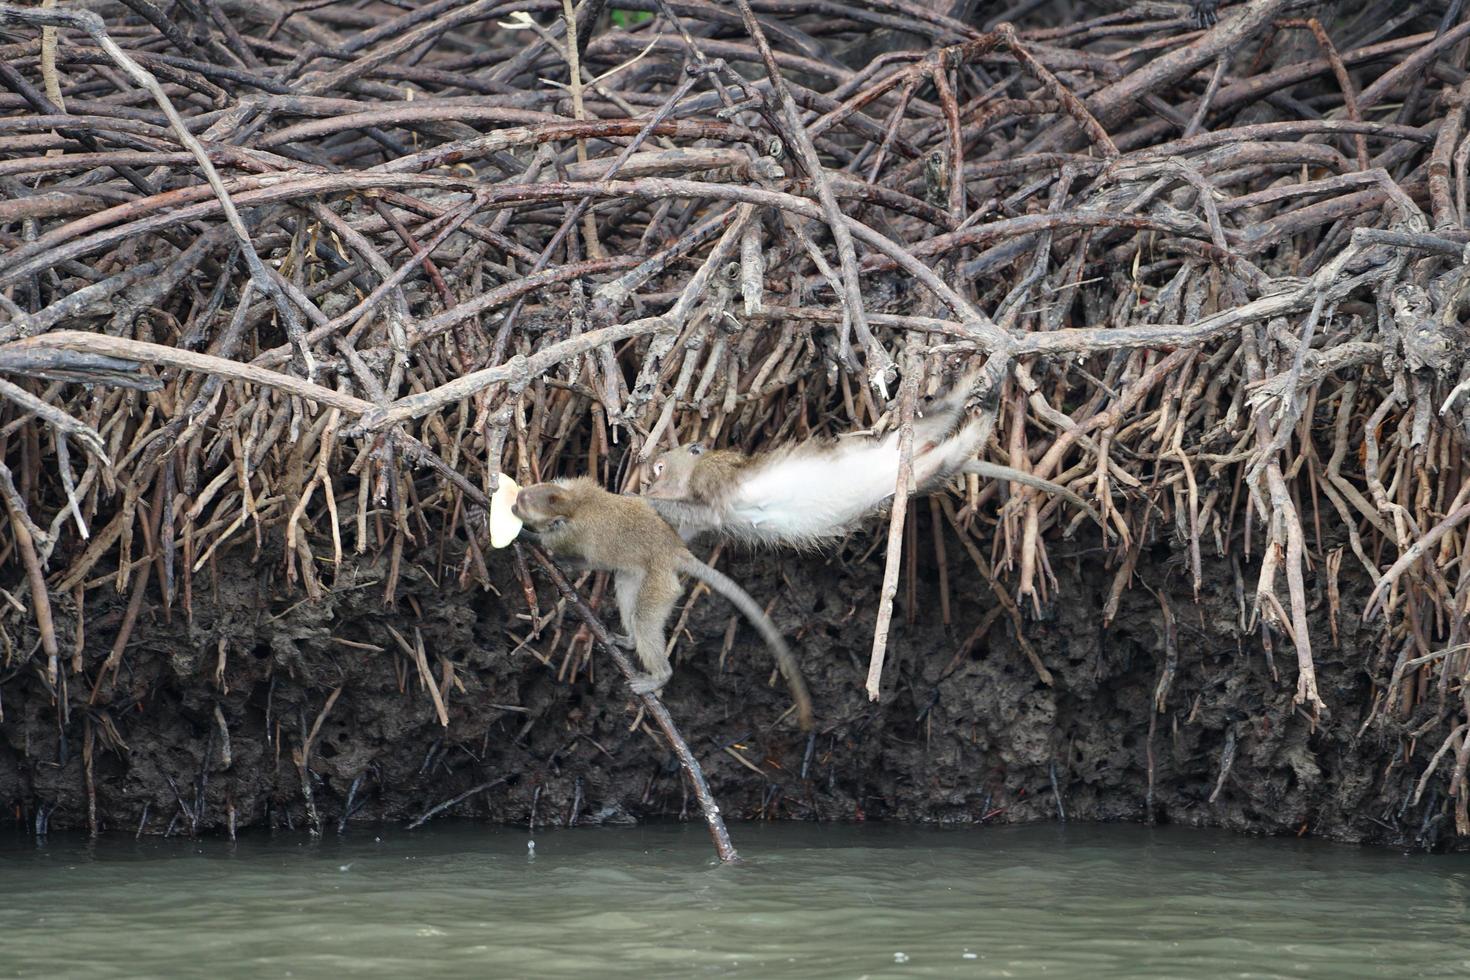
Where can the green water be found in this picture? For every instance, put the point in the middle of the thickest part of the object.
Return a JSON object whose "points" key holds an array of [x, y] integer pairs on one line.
{"points": [[467, 901]]}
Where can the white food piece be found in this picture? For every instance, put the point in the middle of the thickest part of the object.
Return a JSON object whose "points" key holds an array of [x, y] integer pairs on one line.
{"points": [[504, 526]]}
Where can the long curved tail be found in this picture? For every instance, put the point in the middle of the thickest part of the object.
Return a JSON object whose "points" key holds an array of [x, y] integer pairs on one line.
{"points": [[741, 599]]}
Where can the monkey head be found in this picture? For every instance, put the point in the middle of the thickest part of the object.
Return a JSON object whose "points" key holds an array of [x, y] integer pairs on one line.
{"points": [[544, 505], [672, 470]]}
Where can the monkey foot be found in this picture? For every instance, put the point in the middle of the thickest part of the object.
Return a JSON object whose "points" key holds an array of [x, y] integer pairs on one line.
{"points": [[648, 683], [1203, 13]]}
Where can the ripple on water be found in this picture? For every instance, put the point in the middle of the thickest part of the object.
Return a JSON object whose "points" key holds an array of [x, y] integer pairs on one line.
{"points": [[457, 900]]}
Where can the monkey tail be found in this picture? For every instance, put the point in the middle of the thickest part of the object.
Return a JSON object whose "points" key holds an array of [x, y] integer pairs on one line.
{"points": [[741, 599]]}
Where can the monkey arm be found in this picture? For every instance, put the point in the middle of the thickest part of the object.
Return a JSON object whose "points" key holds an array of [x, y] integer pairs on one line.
{"points": [[995, 471], [542, 537], [685, 516], [547, 538]]}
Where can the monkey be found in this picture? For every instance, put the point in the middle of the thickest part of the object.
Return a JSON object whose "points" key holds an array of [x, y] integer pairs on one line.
{"points": [[811, 493], [579, 520]]}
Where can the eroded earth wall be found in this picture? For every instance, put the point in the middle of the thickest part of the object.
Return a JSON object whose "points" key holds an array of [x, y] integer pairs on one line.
{"points": [[206, 719]]}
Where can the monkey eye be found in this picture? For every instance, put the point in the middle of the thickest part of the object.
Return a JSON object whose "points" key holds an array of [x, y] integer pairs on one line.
{"points": [[696, 449], [658, 469]]}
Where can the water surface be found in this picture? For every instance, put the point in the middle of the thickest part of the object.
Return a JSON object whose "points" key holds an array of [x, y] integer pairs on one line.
{"points": [[464, 900]]}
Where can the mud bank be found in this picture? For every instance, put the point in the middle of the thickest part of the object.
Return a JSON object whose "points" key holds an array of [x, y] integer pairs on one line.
{"points": [[270, 711]]}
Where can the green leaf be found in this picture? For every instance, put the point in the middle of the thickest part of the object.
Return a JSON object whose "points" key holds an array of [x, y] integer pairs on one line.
{"points": [[628, 18]]}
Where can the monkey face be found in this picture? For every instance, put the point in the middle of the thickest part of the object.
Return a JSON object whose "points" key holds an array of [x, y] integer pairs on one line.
{"points": [[542, 505], [671, 472]]}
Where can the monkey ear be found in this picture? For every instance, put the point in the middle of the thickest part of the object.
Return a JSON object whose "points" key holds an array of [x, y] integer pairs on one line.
{"points": [[696, 449]]}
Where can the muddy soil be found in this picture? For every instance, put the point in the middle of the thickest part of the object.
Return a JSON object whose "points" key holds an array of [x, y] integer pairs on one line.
{"points": [[206, 722]]}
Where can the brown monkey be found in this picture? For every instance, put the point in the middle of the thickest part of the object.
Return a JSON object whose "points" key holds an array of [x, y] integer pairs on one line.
{"points": [[810, 493], [577, 519]]}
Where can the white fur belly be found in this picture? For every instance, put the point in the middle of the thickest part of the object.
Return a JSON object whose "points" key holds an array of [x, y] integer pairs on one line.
{"points": [[812, 497]]}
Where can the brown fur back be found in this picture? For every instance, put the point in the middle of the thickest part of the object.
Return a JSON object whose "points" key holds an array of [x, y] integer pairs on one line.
{"points": [[714, 474], [608, 531]]}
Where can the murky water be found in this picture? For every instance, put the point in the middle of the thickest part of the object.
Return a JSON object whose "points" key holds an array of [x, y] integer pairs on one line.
{"points": [[460, 900]]}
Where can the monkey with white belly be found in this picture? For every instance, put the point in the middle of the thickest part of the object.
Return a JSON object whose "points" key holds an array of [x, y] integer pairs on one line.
{"points": [[810, 493]]}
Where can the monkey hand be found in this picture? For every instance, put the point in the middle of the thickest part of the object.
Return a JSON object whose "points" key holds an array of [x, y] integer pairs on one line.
{"points": [[540, 537], [1203, 13], [624, 640]]}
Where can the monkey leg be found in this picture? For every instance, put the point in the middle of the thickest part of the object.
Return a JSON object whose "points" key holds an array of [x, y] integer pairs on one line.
{"points": [[937, 461], [936, 425], [646, 601]]}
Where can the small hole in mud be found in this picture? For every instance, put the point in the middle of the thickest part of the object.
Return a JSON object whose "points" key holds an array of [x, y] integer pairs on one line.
{"points": [[260, 651], [328, 751]]}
